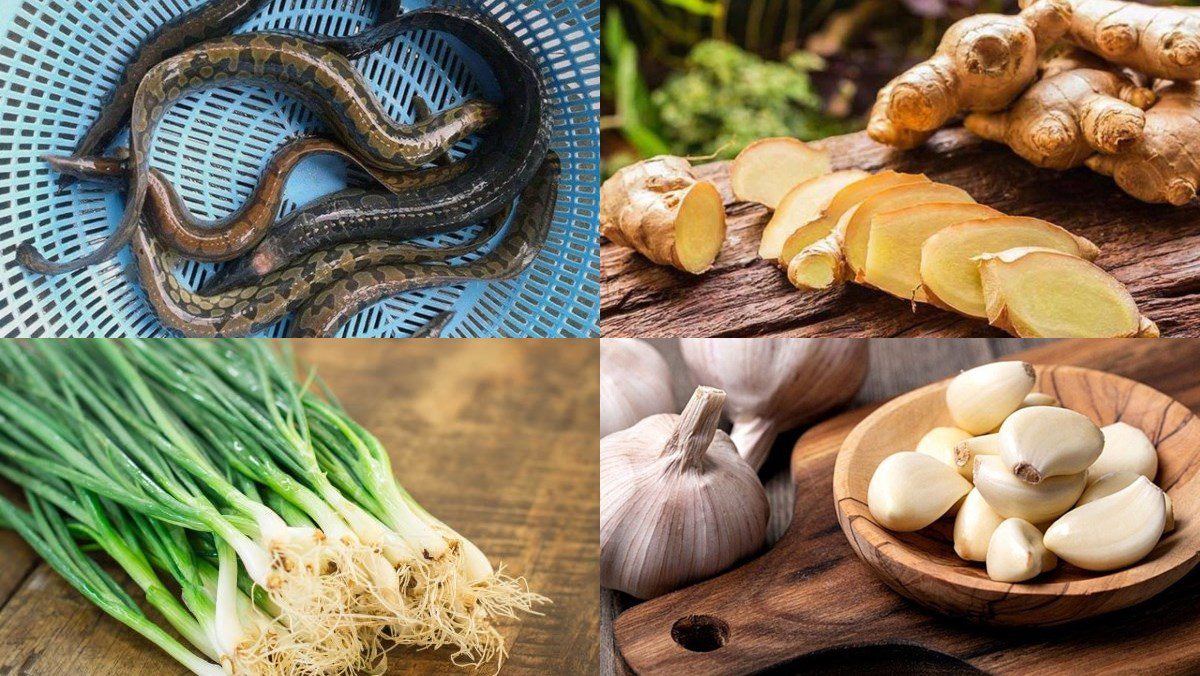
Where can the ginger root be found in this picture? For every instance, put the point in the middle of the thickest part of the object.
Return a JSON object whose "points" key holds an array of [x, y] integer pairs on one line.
{"points": [[982, 64], [949, 272], [1023, 293], [1162, 42], [1068, 117], [661, 210], [1165, 165], [768, 168]]}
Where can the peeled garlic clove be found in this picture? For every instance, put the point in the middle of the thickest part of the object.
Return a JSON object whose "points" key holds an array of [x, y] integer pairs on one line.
{"points": [[1112, 532], [966, 450], [1045, 441], [1013, 498], [1038, 399], [909, 491], [981, 398], [973, 527], [1116, 481], [939, 443], [1126, 448], [1016, 553]]}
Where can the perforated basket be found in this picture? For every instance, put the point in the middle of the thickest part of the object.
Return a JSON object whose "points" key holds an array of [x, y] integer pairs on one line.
{"points": [[57, 57]]}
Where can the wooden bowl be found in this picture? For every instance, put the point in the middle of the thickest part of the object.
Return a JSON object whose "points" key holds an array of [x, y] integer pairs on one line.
{"points": [[923, 566]]}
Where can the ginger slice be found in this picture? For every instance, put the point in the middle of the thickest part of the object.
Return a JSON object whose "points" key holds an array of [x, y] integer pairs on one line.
{"points": [[847, 197], [950, 275], [803, 204], [893, 261], [768, 168], [1032, 292], [658, 208], [858, 228], [822, 264]]}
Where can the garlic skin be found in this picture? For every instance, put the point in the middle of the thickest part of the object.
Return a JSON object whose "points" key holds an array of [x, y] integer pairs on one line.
{"points": [[635, 382], [677, 502], [1126, 448], [1016, 552], [981, 398], [1045, 441], [775, 384], [966, 451], [939, 443], [1112, 482], [1112, 532], [973, 527], [911, 490], [1013, 498]]}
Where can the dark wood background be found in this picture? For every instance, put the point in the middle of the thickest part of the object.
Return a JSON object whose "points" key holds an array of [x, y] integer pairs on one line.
{"points": [[495, 437], [896, 366], [1152, 249]]}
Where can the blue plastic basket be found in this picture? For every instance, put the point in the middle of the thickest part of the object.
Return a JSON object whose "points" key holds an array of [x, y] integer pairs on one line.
{"points": [[57, 57]]}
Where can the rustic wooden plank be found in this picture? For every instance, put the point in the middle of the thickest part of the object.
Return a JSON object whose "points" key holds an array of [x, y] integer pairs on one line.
{"points": [[497, 438], [1153, 249], [896, 366], [844, 602]]}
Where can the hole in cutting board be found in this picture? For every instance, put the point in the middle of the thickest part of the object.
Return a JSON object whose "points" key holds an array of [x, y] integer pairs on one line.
{"points": [[700, 633]]}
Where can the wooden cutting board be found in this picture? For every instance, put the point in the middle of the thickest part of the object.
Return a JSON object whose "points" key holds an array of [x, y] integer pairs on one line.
{"points": [[810, 604], [1153, 249], [495, 437]]}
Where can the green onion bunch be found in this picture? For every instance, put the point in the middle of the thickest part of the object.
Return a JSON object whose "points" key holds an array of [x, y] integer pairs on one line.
{"points": [[261, 522]]}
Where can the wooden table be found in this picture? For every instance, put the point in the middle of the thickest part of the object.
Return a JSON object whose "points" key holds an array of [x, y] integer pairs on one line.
{"points": [[495, 437], [897, 366], [1153, 249]]}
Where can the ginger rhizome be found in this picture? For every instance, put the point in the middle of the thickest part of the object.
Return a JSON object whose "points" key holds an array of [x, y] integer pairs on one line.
{"points": [[1165, 165], [1068, 117], [661, 210], [982, 64], [1161, 42]]}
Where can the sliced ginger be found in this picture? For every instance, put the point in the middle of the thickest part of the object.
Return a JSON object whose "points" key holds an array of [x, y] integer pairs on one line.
{"points": [[822, 264], [769, 168], [803, 204], [1162, 42], [893, 262], [948, 270], [845, 199], [858, 228], [1068, 117], [1033, 292], [658, 208], [982, 64]]}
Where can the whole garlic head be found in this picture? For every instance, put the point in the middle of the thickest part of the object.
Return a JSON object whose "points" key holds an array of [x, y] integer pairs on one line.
{"points": [[635, 382], [677, 502]]}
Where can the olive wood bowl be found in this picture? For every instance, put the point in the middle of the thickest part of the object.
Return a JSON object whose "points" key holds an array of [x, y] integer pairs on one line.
{"points": [[922, 565]]}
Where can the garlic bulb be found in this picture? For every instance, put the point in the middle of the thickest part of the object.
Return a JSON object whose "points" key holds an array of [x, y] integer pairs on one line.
{"points": [[635, 382], [973, 527], [1011, 497], [966, 451], [775, 384], [1045, 441], [981, 398], [939, 443], [1112, 482], [1126, 448], [910, 490], [677, 502], [1016, 552], [1112, 532]]}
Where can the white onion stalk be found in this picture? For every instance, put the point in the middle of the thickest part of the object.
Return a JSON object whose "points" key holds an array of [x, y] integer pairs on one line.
{"points": [[775, 384]]}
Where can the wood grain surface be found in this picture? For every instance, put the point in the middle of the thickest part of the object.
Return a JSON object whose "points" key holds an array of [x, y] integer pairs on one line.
{"points": [[1153, 249], [495, 437], [847, 620]]}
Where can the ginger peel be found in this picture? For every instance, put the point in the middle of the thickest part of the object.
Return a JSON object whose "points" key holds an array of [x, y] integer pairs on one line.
{"points": [[658, 208]]}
